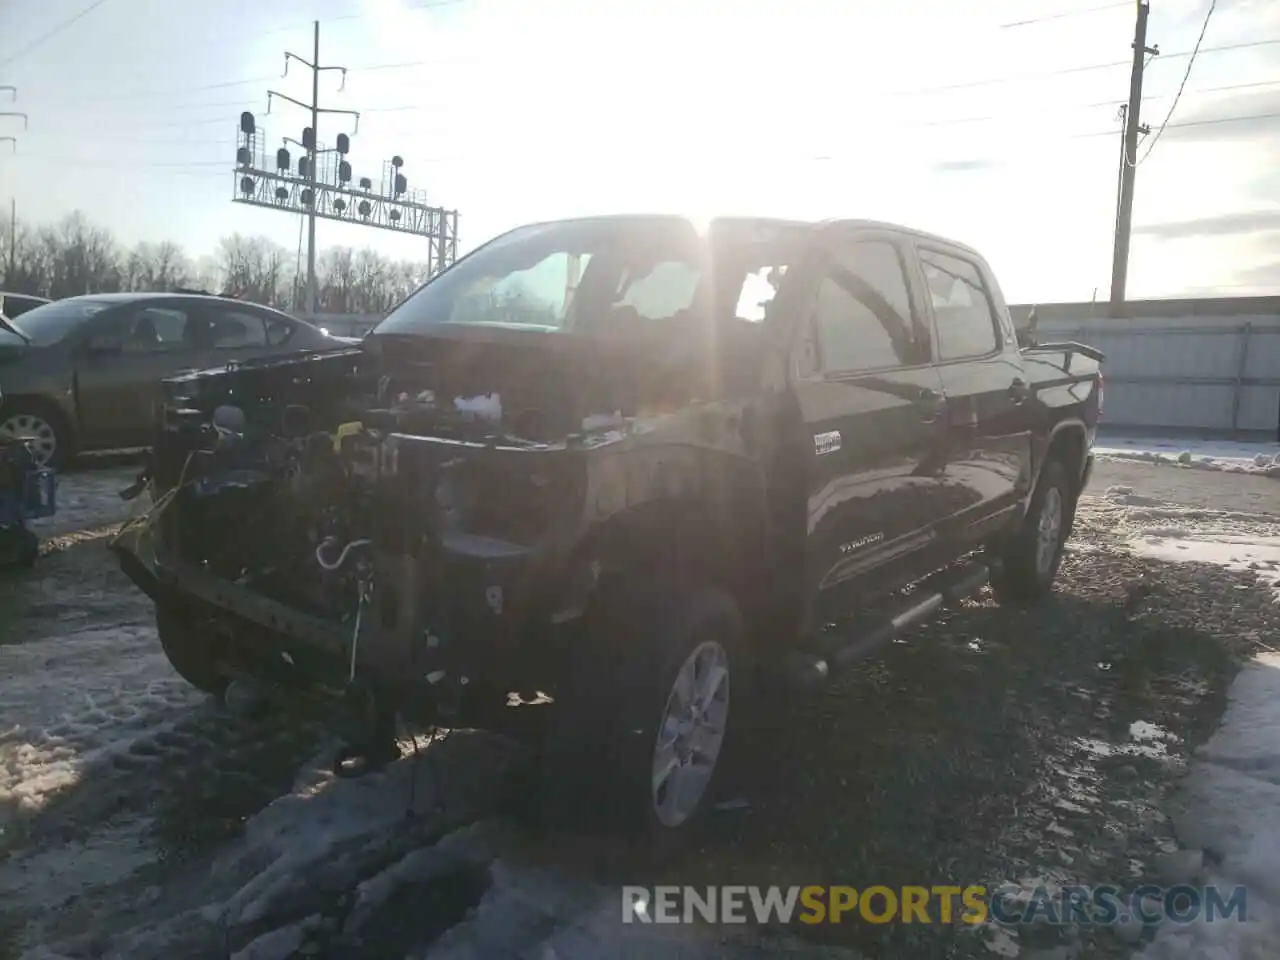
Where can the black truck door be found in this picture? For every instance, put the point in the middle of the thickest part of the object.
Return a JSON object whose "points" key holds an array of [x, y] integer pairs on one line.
{"points": [[872, 403], [989, 403]]}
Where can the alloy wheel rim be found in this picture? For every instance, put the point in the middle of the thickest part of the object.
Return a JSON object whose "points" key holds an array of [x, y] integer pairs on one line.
{"points": [[1049, 531], [691, 734], [39, 431]]}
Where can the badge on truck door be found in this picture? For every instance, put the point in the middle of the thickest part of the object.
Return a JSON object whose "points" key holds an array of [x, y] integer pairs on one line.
{"points": [[824, 443]]}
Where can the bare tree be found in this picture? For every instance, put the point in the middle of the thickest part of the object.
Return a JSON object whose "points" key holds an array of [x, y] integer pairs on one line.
{"points": [[337, 281], [27, 273], [75, 257], [253, 268], [78, 258]]}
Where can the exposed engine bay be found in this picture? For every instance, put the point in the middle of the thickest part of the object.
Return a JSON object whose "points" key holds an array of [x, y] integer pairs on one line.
{"points": [[416, 479], [428, 512]]}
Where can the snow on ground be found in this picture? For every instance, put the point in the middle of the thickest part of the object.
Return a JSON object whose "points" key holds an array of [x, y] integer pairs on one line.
{"points": [[88, 499], [108, 762], [1235, 552], [113, 770], [1224, 455], [1229, 809], [1227, 814]]}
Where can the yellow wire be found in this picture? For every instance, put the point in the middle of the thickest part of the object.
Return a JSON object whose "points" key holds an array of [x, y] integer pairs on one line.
{"points": [[157, 508]]}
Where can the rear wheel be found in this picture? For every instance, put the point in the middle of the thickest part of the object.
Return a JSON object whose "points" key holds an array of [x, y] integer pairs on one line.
{"points": [[1029, 559], [192, 648]]}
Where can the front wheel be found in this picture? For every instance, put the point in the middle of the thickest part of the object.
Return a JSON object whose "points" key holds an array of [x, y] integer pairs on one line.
{"points": [[1028, 561], [642, 726], [191, 647], [41, 426]]}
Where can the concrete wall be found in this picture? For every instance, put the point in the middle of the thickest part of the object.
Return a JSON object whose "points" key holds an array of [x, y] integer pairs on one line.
{"points": [[1206, 365]]}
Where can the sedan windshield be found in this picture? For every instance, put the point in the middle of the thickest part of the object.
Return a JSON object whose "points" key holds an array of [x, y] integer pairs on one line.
{"points": [[593, 275], [53, 322]]}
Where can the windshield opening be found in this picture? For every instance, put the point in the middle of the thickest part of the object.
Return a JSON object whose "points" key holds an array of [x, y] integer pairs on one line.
{"points": [[613, 275], [53, 322]]}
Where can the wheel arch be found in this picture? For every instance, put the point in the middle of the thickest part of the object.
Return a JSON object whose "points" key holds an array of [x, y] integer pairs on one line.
{"points": [[1066, 442], [719, 539]]}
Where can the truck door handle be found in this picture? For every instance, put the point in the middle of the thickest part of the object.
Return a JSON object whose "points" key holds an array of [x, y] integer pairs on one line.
{"points": [[929, 403], [1019, 392]]}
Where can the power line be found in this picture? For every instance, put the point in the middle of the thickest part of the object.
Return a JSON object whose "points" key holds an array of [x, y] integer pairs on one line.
{"points": [[128, 97], [206, 167], [52, 32], [1063, 15], [1151, 145], [428, 62], [217, 168]]}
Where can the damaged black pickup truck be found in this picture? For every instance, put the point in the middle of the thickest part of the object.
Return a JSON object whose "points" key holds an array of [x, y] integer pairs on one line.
{"points": [[634, 470]]}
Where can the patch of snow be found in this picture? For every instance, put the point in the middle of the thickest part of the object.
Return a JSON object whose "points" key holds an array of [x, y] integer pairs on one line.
{"points": [[602, 421], [1257, 554], [1221, 455], [487, 406], [95, 700], [76, 700], [1230, 806]]}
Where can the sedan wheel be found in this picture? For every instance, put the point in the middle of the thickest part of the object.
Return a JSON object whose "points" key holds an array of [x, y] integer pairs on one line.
{"points": [[35, 428]]}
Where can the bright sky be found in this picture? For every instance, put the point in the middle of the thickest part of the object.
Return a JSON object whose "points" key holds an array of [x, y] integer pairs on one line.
{"points": [[932, 113]]}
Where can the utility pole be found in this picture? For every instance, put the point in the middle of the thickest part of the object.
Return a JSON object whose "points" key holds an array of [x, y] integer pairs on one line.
{"points": [[1129, 162], [312, 157], [13, 202], [13, 240], [274, 180], [311, 142]]}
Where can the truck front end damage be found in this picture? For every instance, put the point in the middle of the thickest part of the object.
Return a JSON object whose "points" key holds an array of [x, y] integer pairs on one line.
{"points": [[422, 523], [363, 525]]}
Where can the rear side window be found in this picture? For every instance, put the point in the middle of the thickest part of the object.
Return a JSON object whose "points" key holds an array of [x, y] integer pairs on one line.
{"points": [[229, 329], [278, 331], [961, 306], [864, 310]]}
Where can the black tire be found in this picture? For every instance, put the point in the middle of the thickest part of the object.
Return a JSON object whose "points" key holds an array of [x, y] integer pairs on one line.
{"points": [[192, 649], [58, 431], [1023, 573], [595, 770], [28, 548]]}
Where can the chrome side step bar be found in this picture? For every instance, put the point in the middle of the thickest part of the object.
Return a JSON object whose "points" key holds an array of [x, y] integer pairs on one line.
{"points": [[808, 669]]}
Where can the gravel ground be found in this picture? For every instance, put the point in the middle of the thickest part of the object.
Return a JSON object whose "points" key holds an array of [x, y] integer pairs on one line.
{"points": [[990, 746]]}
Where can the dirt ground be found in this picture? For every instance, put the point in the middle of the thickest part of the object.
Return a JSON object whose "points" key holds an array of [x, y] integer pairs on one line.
{"points": [[139, 820]]}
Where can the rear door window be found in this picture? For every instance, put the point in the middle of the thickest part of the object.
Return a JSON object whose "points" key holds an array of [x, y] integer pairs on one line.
{"points": [[231, 329], [967, 324]]}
